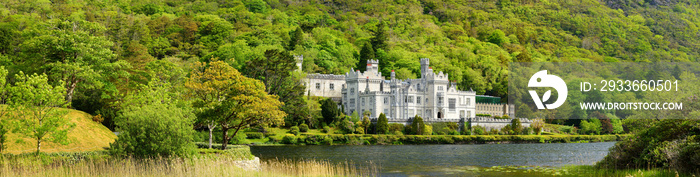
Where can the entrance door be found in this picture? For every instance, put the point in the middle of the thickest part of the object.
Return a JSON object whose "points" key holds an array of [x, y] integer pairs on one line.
{"points": [[439, 115]]}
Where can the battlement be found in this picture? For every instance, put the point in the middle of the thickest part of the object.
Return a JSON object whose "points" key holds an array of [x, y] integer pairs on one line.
{"points": [[326, 76]]}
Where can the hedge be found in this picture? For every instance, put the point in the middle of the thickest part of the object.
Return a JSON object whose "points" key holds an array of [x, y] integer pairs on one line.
{"points": [[356, 139]]}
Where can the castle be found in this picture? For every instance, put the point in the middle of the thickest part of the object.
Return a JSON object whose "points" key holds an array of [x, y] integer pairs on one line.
{"points": [[432, 96]]}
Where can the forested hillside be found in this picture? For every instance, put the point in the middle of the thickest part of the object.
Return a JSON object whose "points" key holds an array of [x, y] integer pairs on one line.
{"points": [[104, 49]]}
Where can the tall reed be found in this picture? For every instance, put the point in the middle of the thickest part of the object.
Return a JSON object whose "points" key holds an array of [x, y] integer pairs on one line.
{"points": [[197, 166]]}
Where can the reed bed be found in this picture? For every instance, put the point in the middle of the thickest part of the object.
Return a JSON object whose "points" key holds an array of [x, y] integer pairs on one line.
{"points": [[177, 167]]}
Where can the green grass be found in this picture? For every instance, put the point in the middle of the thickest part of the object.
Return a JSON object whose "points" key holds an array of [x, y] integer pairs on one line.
{"points": [[87, 135]]}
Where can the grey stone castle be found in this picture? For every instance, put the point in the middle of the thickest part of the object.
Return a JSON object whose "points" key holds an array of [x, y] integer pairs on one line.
{"points": [[432, 96]]}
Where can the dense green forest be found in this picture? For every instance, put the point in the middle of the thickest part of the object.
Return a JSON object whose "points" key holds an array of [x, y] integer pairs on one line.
{"points": [[104, 50]]}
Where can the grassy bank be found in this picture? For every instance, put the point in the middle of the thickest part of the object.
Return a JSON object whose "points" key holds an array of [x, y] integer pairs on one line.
{"points": [[355, 139], [205, 163], [579, 170]]}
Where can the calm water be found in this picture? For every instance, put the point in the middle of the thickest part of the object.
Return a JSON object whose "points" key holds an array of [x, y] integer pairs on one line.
{"points": [[441, 160]]}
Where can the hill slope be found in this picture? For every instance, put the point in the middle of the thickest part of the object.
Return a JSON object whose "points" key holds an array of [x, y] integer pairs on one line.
{"points": [[86, 136]]}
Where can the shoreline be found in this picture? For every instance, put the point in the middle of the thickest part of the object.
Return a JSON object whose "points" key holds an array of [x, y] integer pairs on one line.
{"points": [[356, 139]]}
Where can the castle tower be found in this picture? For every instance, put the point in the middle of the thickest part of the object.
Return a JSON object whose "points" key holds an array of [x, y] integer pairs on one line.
{"points": [[424, 66], [300, 60], [373, 66]]}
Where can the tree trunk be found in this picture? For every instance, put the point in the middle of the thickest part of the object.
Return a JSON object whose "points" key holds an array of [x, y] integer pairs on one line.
{"points": [[211, 131], [38, 146], [224, 142], [70, 91]]}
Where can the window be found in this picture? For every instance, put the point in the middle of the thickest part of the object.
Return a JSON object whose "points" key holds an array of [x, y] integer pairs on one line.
{"points": [[426, 100], [439, 100], [352, 102], [452, 103], [419, 112], [332, 86], [440, 88], [410, 113], [418, 100], [469, 113], [410, 99], [469, 101], [386, 111], [461, 113], [318, 86], [352, 91], [405, 99], [386, 100], [363, 103]]}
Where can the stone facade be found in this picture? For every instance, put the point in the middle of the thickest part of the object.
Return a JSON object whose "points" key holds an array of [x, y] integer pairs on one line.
{"points": [[491, 123], [495, 109], [432, 96]]}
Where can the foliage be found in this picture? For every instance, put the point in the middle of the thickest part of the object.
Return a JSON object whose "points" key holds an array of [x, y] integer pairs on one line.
{"points": [[276, 69], [668, 143], [382, 124], [294, 130], [254, 135], [242, 102], [591, 126], [396, 127], [537, 125], [38, 102], [326, 129], [346, 127], [289, 139], [303, 128], [329, 110], [479, 130], [4, 121], [417, 126], [154, 123]]}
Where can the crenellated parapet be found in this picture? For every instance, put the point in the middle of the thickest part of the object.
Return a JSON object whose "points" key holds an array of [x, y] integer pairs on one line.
{"points": [[326, 76]]}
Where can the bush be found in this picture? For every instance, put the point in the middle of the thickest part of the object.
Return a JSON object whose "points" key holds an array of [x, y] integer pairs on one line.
{"points": [[154, 129], [382, 124], [269, 134], [359, 130], [304, 128], [479, 130], [394, 127], [326, 129], [294, 130], [254, 135], [327, 140], [289, 139]]}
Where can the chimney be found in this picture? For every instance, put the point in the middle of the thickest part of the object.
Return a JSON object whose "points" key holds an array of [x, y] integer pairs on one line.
{"points": [[393, 75]]}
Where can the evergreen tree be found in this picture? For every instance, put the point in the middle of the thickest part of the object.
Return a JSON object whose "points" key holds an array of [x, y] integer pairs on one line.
{"points": [[417, 125], [366, 53], [296, 38], [382, 124], [329, 110], [380, 37]]}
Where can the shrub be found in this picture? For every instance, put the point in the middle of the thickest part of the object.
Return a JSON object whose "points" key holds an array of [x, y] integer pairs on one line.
{"points": [[289, 139], [398, 133], [155, 129], [359, 130], [303, 128], [394, 127], [347, 127], [294, 130], [479, 130], [382, 124], [254, 135], [326, 129], [327, 140], [269, 134]]}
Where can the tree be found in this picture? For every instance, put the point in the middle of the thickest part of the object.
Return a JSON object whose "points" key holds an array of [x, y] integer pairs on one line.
{"points": [[380, 37], [365, 124], [277, 71], [231, 100], [417, 125], [329, 110], [537, 125], [38, 102], [516, 126], [75, 58], [366, 53], [382, 124], [297, 37], [4, 122], [155, 123]]}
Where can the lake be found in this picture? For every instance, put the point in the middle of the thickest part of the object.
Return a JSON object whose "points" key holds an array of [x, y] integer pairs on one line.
{"points": [[444, 160]]}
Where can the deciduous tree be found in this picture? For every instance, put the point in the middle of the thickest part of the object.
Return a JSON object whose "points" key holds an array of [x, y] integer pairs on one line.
{"points": [[39, 103]]}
